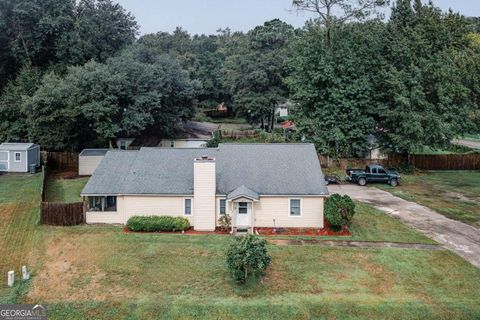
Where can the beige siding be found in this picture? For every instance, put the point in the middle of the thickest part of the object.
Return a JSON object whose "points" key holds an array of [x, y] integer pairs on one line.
{"points": [[109, 217], [155, 206], [204, 204], [87, 165], [270, 208]]}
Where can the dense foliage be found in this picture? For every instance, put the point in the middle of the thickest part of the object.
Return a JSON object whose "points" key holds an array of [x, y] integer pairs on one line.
{"points": [[72, 75], [247, 258], [157, 223], [339, 210]]}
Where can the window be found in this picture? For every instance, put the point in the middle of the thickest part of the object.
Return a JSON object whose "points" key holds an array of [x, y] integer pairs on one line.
{"points": [[18, 156], [243, 207], [103, 204], [187, 207], [222, 207], [295, 207], [381, 171]]}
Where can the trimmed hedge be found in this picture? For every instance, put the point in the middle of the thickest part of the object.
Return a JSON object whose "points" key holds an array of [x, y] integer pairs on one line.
{"points": [[157, 223]]}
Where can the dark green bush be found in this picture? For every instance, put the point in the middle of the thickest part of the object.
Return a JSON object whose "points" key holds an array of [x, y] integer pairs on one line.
{"points": [[247, 258], [157, 223], [339, 210]]}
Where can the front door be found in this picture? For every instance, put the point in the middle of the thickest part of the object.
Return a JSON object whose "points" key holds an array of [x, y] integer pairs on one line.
{"points": [[243, 214]]}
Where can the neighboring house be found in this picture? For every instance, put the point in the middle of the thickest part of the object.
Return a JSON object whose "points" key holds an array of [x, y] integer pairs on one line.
{"points": [[124, 143], [89, 159], [258, 185], [194, 135], [17, 157], [282, 110]]}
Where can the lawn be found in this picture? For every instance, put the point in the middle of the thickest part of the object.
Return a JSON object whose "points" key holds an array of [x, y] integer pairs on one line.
{"points": [[370, 224], [455, 194], [100, 272], [64, 190], [19, 212]]}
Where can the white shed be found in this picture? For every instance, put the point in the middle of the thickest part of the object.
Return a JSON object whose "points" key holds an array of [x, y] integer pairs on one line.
{"points": [[17, 157], [89, 159]]}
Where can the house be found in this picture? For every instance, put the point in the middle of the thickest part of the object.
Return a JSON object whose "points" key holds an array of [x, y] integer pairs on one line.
{"points": [[282, 110], [89, 159], [258, 185], [17, 157], [194, 135]]}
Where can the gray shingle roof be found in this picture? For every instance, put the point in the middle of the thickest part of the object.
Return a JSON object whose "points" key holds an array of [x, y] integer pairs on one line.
{"points": [[242, 191], [267, 169], [16, 146], [93, 152]]}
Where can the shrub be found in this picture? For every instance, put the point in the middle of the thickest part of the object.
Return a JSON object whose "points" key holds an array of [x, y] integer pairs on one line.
{"points": [[225, 222], [339, 210], [157, 223], [247, 258]]}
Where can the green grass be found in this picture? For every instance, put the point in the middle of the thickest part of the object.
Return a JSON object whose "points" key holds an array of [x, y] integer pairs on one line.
{"points": [[178, 276], [370, 224], [455, 194], [19, 213], [98, 272], [65, 190]]}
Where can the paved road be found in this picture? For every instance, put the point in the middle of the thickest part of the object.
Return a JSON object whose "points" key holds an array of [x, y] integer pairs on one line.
{"points": [[467, 143], [456, 236]]}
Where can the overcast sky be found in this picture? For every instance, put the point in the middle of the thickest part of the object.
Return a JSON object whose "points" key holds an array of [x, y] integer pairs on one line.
{"points": [[206, 16]]}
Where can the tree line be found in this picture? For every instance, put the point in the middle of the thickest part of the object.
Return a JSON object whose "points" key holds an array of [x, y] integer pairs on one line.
{"points": [[74, 74]]}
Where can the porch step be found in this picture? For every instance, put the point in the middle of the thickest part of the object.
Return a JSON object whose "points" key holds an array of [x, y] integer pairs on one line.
{"points": [[240, 231]]}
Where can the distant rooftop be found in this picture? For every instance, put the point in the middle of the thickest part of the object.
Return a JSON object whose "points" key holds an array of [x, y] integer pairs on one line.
{"points": [[16, 146]]}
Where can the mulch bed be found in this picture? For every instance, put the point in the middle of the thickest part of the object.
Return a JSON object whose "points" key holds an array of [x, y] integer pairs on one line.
{"points": [[326, 231]]}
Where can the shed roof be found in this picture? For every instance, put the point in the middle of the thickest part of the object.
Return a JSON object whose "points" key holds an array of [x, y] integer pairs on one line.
{"points": [[266, 169], [17, 146], [93, 152]]}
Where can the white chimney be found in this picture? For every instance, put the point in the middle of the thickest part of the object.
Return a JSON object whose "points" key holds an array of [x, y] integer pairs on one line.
{"points": [[204, 191]]}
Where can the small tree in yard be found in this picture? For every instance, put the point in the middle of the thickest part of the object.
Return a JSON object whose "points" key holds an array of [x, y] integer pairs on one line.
{"points": [[339, 210], [247, 258]]}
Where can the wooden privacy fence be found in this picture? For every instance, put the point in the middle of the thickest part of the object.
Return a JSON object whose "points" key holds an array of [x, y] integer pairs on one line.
{"points": [[446, 162], [64, 161], [422, 162], [62, 214]]}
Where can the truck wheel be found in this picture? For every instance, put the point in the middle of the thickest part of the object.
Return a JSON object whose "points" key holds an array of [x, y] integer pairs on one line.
{"points": [[327, 182], [394, 182], [362, 181]]}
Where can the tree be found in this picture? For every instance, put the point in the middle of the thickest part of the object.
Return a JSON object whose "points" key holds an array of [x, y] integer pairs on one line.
{"points": [[424, 91], [256, 74], [337, 12], [333, 89], [247, 258], [123, 97]]}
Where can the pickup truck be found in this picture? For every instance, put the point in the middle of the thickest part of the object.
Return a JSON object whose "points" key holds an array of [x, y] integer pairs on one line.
{"points": [[373, 173]]}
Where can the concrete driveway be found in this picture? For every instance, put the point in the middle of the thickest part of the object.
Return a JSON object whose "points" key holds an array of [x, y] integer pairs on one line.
{"points": [[456, 236]]}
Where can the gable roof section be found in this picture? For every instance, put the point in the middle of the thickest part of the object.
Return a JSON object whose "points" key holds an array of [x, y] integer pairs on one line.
{"points": [[16, 146], [242, 191], [265, 169]]}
